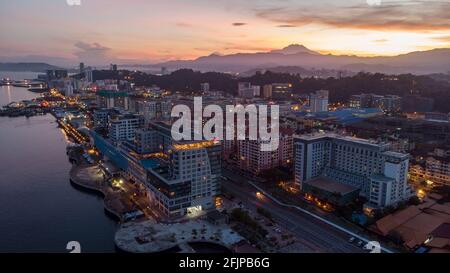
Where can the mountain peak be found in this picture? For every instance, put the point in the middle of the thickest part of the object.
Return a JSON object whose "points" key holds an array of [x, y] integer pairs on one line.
{"points": [[294, 49]]}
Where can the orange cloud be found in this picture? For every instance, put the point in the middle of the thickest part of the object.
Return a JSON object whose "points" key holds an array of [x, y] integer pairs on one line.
{"points": [[410, 16]]}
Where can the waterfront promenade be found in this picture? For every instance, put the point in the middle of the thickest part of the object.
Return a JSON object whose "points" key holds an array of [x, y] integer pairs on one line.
{"points": [[119, 196]]}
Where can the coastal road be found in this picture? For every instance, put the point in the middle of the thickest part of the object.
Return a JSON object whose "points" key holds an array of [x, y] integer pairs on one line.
{"points": [[314, 235]]}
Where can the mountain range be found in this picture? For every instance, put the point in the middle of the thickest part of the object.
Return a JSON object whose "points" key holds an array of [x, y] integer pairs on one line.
{"points": [[291, 59], [419, 62], [29, 66]]}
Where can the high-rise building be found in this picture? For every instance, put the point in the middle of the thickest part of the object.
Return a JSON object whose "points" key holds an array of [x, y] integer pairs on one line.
{"points": [[123, 127], [68, 88], [389, 103], [81, 67], [156, 110], [112, 99], [204, 87], [101, 118], [188, 181], [379, 174], [89, 74], [148, 140], [254, 160], [267, 91], [248, 91], [56, 74], [318, 102]]}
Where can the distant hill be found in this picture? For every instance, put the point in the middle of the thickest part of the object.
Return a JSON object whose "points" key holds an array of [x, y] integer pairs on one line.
{"points": [[419, 62], [26, 67], [302, 72]]}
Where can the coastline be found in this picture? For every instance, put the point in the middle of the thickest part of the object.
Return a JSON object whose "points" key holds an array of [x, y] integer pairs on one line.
{"points": [[95, 188]]}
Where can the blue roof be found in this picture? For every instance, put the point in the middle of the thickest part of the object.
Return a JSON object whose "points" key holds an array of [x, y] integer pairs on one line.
{"points": [[110, 151], [345, 116], [150, 163]]}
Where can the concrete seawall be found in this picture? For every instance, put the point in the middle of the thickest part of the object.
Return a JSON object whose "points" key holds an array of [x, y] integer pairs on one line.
{"points": [[81, 177]]}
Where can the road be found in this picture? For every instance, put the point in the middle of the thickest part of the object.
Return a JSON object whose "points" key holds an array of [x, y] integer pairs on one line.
{"points": [[314, 235]]}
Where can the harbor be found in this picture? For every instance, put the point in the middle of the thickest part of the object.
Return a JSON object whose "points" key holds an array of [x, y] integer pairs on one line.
{"points": [[35, 187], [33, 85]]}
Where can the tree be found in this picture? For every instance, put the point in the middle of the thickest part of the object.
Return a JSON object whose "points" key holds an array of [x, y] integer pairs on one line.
{"points": [[414, 201], [264, 213]]}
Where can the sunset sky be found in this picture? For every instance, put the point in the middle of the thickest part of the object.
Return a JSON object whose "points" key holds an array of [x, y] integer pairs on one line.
{"points": [[103, 31]]}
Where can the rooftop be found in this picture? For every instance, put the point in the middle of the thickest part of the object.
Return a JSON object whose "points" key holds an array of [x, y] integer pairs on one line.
{"points": [[329, 185], [415, 223], [442, 231], [345, 116], [396, 154], [311, 137], [382, 178], [194, 145], [150, 163]]}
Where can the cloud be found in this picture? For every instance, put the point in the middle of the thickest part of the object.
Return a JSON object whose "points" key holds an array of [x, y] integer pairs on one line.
{"points": [[93, 52], [183, 24], [381, 41], [287, 25], [239, 24], [445, 39], [390, 16], [244, 48]]}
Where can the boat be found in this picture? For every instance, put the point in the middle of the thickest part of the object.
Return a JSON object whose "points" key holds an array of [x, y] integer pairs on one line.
{"points": [[38, 89], [6, 81]]}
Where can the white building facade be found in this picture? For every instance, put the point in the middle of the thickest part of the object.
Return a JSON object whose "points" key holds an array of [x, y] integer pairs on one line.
{"points": [[381, 175]]}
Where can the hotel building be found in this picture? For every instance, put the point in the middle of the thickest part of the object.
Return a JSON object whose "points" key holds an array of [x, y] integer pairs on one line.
{"points": [[188, 181], [379, 174]]}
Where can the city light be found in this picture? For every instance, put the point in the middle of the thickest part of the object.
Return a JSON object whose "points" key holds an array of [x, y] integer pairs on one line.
{"points": [[225, 126]]}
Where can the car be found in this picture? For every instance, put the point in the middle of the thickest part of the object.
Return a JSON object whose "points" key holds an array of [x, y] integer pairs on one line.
{"points": [[351, 240]]}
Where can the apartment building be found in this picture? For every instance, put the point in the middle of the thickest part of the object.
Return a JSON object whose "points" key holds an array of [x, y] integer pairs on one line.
{"points": [[123, 127], [253, 159]]}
